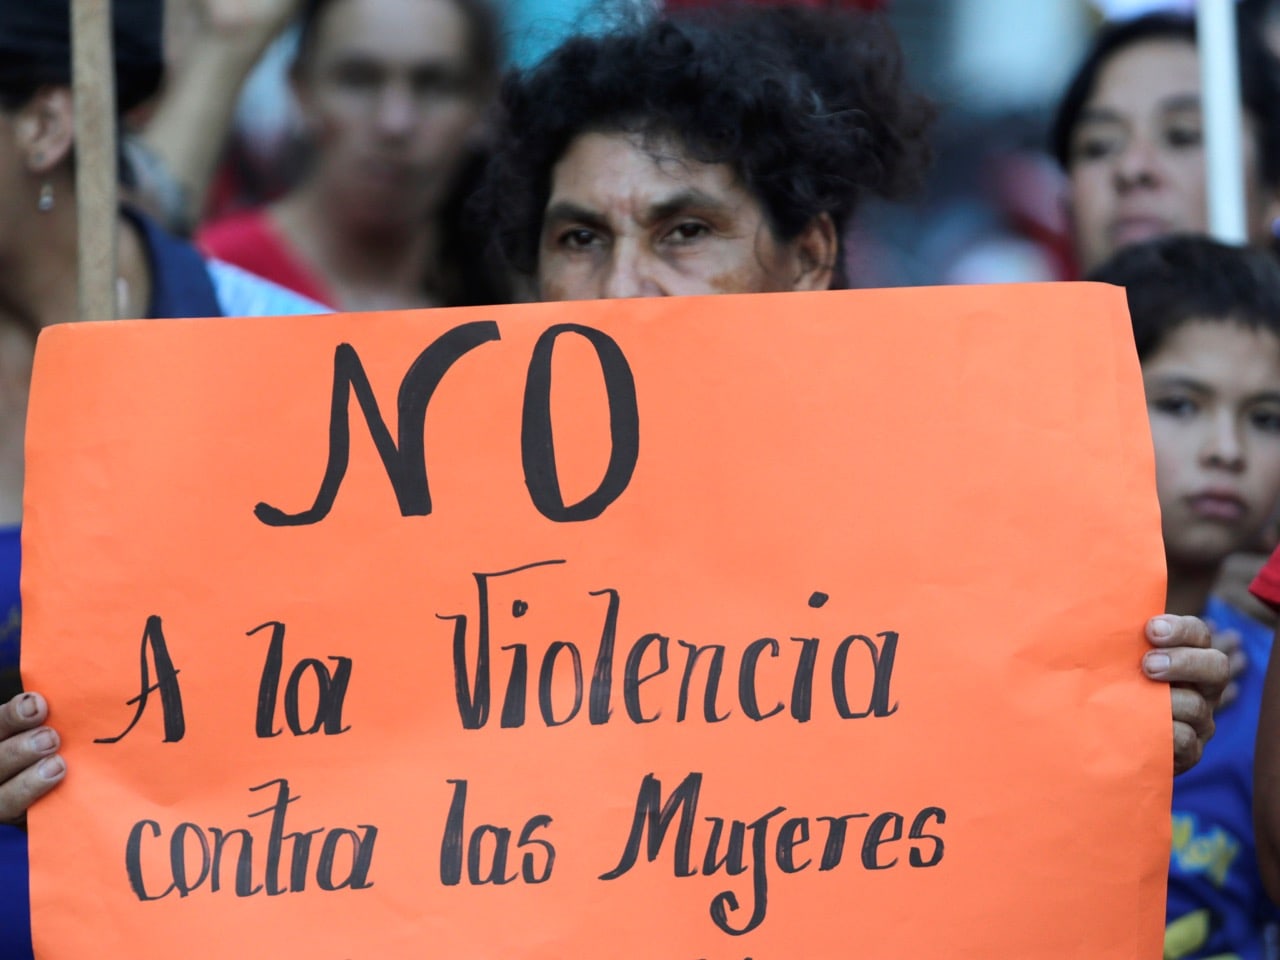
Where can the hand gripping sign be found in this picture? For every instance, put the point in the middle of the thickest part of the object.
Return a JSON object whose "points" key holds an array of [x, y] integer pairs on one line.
{"points": [[782, 626]]}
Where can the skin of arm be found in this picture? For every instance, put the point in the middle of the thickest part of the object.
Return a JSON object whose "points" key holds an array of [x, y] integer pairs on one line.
{"points": [[189, 125]]}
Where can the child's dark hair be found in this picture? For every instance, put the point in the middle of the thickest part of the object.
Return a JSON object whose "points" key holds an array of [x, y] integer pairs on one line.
{"points": [[1259, 81], [1174, 280], [809, 107]]}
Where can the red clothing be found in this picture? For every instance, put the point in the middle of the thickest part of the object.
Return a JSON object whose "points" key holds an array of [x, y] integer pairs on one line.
{"points": [[251, 241], [1266, 585]]}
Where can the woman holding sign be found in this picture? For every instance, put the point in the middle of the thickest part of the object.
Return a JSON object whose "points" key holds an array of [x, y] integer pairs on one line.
{"points": [[692, 157]]}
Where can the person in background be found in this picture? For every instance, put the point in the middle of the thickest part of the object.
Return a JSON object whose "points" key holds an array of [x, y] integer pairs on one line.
{"points": [[186, 141], [1129, 135], [392, 94], [1206, 323], [158, 276]]}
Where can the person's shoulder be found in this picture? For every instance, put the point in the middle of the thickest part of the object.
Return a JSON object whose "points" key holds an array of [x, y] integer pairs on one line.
{"points": [[244, 294], [253, 241]]}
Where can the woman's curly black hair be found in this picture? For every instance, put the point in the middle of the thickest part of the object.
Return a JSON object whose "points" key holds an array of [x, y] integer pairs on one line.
{"points": [[809, 107]]}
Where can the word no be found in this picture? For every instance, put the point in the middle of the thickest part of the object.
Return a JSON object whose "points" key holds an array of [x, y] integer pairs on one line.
{"points": [[405, 459]]}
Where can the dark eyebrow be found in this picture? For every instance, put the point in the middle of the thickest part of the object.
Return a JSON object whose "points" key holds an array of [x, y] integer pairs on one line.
{"points": [[1181, 101], [564, 211], [682, 201], [434, 68], [1196, 386], [1184, 383], [1098, 115], [356, 58]]}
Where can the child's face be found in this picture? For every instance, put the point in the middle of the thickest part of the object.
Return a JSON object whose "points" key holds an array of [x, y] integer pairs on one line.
{"points": [[1213, 395]]}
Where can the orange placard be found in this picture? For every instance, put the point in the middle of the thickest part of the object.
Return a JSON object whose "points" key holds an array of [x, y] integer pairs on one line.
{"points": [[785, 626]]}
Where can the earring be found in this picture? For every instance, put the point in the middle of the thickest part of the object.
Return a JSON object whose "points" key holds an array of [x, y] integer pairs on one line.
{"points": [[45, 203]]}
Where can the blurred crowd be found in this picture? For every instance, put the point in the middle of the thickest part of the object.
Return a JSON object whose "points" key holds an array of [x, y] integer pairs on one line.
{"points": [[246, 117]]}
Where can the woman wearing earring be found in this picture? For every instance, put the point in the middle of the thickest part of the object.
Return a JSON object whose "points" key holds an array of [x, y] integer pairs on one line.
{"points": [[392, 95], [158, 276]]}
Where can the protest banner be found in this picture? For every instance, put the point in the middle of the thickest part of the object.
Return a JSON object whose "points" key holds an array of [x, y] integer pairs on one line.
{"points": [[771, 627]]}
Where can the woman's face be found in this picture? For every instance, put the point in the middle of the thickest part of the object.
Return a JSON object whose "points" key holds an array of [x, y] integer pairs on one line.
{"points": [[1136, 164], [389, 92], [628, 217]]}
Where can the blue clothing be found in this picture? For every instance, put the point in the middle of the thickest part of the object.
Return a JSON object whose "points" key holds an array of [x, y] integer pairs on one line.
{"points": [[183, 284], [1217, 907], [15, 924]]}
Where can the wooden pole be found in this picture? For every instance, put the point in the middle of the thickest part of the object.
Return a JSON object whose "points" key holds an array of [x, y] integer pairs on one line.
{"points": [[1220, 110], [93, 84]]}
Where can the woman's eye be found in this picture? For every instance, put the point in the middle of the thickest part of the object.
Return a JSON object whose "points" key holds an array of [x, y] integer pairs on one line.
{"points": [[1184, 137], [689, 230], [438, 83], [1094, 148], [357, 77], [577, 238]]}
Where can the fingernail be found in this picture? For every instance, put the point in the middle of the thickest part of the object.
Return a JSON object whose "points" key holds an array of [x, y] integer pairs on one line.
{"points": [[44, 741], [1161, 629], [52, 768], [1157, 663], [27, 706]]}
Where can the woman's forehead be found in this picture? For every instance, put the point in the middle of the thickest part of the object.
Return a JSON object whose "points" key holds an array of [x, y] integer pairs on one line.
{"points": [[1152, 70]]}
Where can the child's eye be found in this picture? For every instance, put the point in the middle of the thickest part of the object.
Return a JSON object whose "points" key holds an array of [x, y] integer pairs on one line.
{"points": [[1266, 420], [1180, 407]]}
